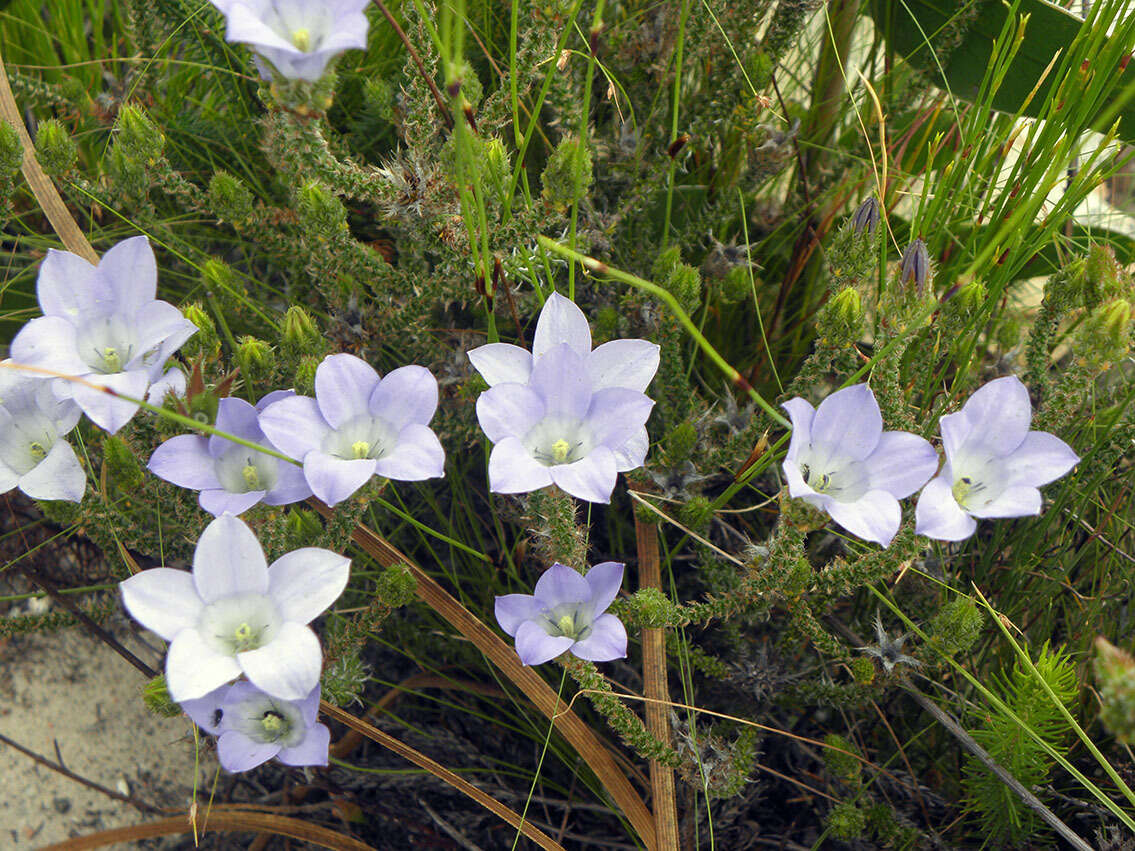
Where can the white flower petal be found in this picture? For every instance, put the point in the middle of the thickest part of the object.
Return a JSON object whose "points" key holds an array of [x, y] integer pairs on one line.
{"points": [[499, 363], [509, 410], [185, 461], [1014, 501], [405, 395], [592, 478], [237, 752], [229, 560], [334, 479], [107, 410], [417, 455], [343, 387], [286, 667], [313, 750], [875, 516], [304, 582], [130, 272], [295, 426], [849, 419], [604, 581], [938, 515], [63, 287], [1041, 458], [193, 668], [163, 600], [607, 641], [623, 363], [513, 470], [561, 322], [48, 342], [632, 453], [996, 417], [901, 463], [58, 476]]}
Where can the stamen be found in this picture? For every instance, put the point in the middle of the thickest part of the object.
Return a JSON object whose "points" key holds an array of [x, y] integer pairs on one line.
{"points": [[566, 625], [560, 450], [251, 476], [272, 722], [301, 38], [805, 472], [37, 451], [965, 488], [111, 360], [360, 449]]}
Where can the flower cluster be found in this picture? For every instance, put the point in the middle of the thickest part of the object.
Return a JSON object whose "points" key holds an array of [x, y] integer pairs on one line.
{"points": [[235, 615], [841, 461]]}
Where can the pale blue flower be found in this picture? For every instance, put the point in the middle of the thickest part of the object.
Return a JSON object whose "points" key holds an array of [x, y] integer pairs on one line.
{"points": [[567, 612], [231, 477], [841, 461], [630, 364], [252, 726], [103, 324], [994, 464], [359, 425], [296, 38], [33, 455], [234, 614]]}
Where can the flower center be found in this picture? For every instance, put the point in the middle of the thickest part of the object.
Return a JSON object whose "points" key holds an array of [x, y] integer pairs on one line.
{"points": [[265, 719], [301, 38], [978, 480], [111, 359], [361, 438], [107, 344], [241, 470], [557, 440], [360, 449], [273, 723], [567, 619], [26, 441], [827, 472], [37, 451], [239, 623]]}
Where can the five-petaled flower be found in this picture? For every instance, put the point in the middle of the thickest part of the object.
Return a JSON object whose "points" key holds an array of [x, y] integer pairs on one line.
{"points": [[103, 324], [33, 455], [566, 612], [296, 38], [252, 726], [230, 476], [994, 464], [841, 461], [564, 414], [359, 425], [234, 614]]}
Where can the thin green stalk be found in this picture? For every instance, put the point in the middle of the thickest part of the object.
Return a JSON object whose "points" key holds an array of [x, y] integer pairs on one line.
{"points": [[679, 49], [584, 134]]}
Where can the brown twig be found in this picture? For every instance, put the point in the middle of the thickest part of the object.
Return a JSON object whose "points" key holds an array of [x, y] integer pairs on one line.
{"points": [[59, 768], [44, 190], [655, 688], [578, 734], [441, 772], [446, 117]]}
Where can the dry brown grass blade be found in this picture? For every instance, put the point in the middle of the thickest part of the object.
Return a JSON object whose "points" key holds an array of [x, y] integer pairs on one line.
{"points": [[442, 773], [578, 734], [656, 688], [229, 820], [44, 190]]}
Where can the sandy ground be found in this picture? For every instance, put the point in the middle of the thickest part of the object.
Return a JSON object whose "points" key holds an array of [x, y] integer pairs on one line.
{"points": [[67, 693]]}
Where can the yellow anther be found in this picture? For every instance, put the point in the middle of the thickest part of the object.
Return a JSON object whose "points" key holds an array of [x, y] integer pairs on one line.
{"points": [[567, 625], [272, 723], [360, 448], [560, 450], [37, 451], [111, 360], [302, 39], [962, 489], [251, 477], [243, 632]]}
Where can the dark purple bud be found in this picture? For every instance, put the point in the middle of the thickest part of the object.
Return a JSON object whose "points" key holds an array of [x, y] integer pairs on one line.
{"points": [[915, 266], [866, 217]]}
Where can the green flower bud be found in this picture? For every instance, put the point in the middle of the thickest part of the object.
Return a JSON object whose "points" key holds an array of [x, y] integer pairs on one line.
{"points": [[255, 358], [567, 176], [156, 697], [122, 467], [218, 276], [320, 210], [667, 260], [298, 332], [11, 150], [866, 217], [55, 149], [1103, 277], [680, 442], [914, 268], [305, 375], [684, 284], [396, 587], [696, 513], [840, 760], [1115, 678], [957, 626], [206, 339], [139, 137], [841, 320], [231, 200], [1105, 336], [846, 821]]}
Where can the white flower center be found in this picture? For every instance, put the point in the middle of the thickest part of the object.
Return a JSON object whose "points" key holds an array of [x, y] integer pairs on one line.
{"points": [[108, 345], [26, 441], [978, 480], [362, 437], [826, 471], [558, 440], [304, 24], [571, 620], [241, 470], [301, 38], [265, 719], [238, 623]]}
